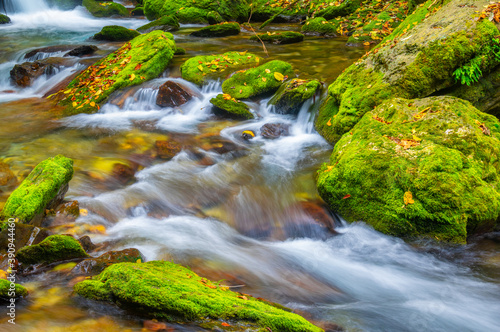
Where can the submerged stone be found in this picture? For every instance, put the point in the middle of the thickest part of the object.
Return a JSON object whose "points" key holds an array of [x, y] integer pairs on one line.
{"points": [[100, 8], [423, 167], [275, 130], [266, 78], [204, 67], [416, 60], [164, 23], [54, 248], [229, 107], [116, 33], [143, 58], [44, 188], [282, 37], [291, 95], [164, 290], [218, 30], [7, 178]]}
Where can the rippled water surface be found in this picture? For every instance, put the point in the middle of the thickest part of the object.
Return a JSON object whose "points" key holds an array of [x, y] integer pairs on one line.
{"points": [[238, 216]]}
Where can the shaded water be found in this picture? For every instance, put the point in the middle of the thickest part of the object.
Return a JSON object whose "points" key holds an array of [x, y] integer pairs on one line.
{"points": [[237, 216]]}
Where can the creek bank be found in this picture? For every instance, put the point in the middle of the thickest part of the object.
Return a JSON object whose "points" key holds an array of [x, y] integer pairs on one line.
{"points": [[164, 290]]}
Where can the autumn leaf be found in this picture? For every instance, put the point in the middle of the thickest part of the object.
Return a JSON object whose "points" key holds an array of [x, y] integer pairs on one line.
{"points": [[138, 66], [226, 96], [249, 132], [268, 71], [75, 103], [346, 196], [225, 324], [92, 104], [408, 198], [279, 76], [264, 79], [243, 53], [200, 68], [132, 77], [329, 123]]}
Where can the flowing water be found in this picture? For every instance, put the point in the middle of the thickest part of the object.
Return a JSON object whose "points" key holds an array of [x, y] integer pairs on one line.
{"points": [[230, 209]]}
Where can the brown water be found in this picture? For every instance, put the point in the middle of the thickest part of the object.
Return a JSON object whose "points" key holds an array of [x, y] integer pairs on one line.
{"points": [[240, 216]]}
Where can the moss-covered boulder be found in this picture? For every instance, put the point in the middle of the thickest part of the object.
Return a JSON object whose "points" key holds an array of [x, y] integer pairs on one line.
{"points": [[10, 290], [345, 8], [319, 26], [143, 58], [4, 19], [164, 23], [266, 78], [53, 249], [44, 188], [137, 11], [291, 95], [205, 67], [418, 167], [227, 106], [282, 37], [201, 11], [116, 33], [96, 265], [218, 30], [418, 59], [105, 8], [171, 292]]}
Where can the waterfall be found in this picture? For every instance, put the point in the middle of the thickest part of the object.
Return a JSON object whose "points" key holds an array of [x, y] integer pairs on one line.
{"points": [[22, 6]]}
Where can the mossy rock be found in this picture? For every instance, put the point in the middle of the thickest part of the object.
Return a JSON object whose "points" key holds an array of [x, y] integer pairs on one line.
{"points": [[201, 11], [291, 95], [346, 8], [319, 26], [105, 9], [204, 67], [6, 292], [164, 23], [218, 30], [24, 234], [44, 188], [137, 11], [4, 19], [227, 106], [214, 17], [54, 248], [167, 291], [422, 167], [143, 58], [266, 78], [179, 51], [282, 37], [409, 67], [116, 33]]}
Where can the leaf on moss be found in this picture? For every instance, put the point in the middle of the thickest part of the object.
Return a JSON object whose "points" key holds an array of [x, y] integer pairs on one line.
{"points": [[279, 76], [408, 198], [132, 77], [329, 123], [200, 68]]}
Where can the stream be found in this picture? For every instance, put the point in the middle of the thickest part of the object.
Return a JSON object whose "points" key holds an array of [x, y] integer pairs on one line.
{"points": [[236, 215]]}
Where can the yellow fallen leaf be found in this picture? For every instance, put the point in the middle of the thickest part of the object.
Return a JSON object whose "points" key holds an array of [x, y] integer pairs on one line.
{"points": [[75, 103], [249, 132], [200, 68], [92, 104], [408, 198], [132, 77], [268, 71], [243, 53], [279, 76], [329, 123], [83, 212], [264, 79], [139, 261], [226, 96], [67, 91]]}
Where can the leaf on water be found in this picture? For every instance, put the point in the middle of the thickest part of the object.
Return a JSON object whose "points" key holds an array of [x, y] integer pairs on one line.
{"points": [[279, 76], [249, 132], [408, 198]]}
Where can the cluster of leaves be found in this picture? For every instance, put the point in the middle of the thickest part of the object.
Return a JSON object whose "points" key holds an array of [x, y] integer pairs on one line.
{"points": [[492, 12], [471, 72]]}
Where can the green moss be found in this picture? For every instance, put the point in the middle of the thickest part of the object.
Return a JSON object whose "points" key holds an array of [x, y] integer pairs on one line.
{"points": [[218, 30], [201, 11], [408, 68], [137, 11], [116, 33], [5, 290], [143, 58], [442, 150], [282, 37], [164, 23], [346, 8], [53, 249], [293, 94], [231, 107], [204, 67], [319, 26], [48, 180], [4, 19], [105, 9], [256, 81], [180, 51], [168, 291], [214, 17]]}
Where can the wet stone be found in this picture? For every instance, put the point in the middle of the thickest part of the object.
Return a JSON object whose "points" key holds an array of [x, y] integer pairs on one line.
{"points": [[95, 266], [172, 94], [167, 149], [25, 74], [275, 130]]}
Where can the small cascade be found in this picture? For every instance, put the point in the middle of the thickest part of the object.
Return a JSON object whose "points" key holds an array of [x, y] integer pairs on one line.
{"points": [[23, 6]]}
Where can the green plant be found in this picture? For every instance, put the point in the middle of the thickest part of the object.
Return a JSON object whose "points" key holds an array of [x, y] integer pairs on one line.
{"points": [[471, 72]]}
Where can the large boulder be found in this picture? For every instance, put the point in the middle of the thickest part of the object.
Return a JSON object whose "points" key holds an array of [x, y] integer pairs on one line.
{"points": [[164, 23], [171, 94], [167, 291], [218, 30], [53, 249], [416, 60], [418, 167], [200, 11], [226, 106], [100, 8], [143, 58], [201, 68], [116, 33], [266, 78], [44, 188]]}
